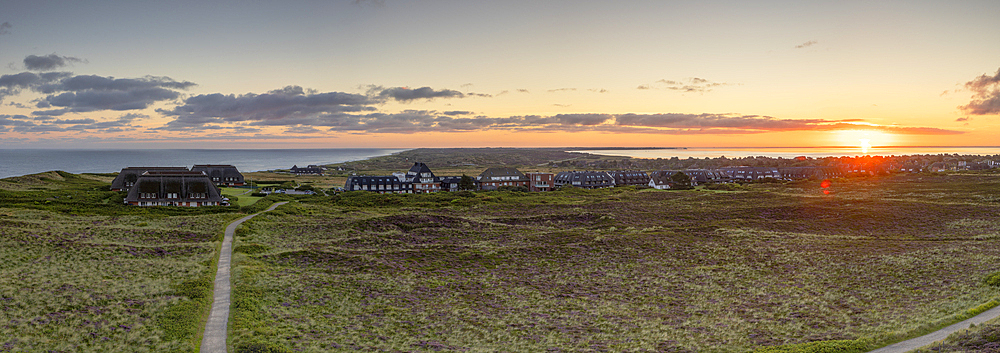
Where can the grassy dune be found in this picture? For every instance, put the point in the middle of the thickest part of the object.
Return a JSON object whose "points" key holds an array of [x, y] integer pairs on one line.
{"points": [[634, 270], [79, 272]]}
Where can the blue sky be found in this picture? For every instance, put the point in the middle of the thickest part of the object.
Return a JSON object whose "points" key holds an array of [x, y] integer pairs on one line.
{"points": [[513, 73]]}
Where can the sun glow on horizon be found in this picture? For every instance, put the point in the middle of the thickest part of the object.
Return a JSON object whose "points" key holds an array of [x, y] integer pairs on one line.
{"points": [[863, 139]]}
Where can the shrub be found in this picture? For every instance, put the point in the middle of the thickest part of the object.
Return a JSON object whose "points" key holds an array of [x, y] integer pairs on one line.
{"points": [[838, 346], [993, 279]]}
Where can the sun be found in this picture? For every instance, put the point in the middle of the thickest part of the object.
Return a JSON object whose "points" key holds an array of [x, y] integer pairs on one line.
{"points": [[863, 140], [865, 145]]}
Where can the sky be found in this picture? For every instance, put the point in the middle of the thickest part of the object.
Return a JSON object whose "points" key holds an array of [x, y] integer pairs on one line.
{"points": [[442, 73]]}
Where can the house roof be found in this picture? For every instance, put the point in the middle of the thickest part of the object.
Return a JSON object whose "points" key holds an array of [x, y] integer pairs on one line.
{"points": [[183, 183], [219, 172], [129, 175], [498, 172], [419, 167]]}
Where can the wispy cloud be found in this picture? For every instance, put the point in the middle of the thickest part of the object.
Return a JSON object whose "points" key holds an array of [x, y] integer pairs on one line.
{"points": [[49, 62], [24, 124], [562, 90], [5, 28], [806, 44], [689, 85], [986, 95]]}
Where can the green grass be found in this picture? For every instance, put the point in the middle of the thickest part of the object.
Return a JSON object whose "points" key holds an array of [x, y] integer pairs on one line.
{"points": [[774, 267], [102, 283], [780, 266], [81, 272], [238, 198]]}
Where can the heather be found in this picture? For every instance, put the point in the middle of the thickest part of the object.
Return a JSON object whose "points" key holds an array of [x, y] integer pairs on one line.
{"points": [[774, 265], [76, 275]]}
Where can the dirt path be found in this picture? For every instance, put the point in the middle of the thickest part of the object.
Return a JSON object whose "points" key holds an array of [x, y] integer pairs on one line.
{"points": [[214, 339], [938, 335]]}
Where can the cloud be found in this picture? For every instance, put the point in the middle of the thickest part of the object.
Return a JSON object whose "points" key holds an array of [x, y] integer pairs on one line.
{"points": [[693, 84], [806, 44], [11, 85], [986, 95], [300, 111], [5, 28], [24, 124], [522, 90], [85, 93], [601, 90], [302, 130], [288, 106], [562, 89], [48, 62], [405, 94]]}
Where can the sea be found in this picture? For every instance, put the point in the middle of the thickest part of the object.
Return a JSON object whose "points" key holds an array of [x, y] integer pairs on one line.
{"points": [[17, 162], [791, 152]]}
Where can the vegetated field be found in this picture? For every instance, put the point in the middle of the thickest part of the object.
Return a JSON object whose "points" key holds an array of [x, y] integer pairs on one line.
{"points": [[240, 197], [619, 269], [80, 272]]}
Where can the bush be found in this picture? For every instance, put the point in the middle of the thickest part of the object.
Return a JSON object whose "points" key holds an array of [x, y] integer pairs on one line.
{"points": [[839, 346], [513, 188], [993, 279], [724, 187]]}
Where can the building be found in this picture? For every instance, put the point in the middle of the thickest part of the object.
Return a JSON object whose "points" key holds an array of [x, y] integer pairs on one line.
{"points": [[704, 176], [584, 179], [423, 179], [815, 172], [751, 173], [310, 170], [540, 181], [128, 176], [629, 178], [386, 184], [665, 180], [449, 183], [221, 174], [496, 177], [174, 188]]}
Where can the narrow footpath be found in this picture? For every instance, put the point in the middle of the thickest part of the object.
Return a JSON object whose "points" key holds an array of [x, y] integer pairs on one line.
{"points": [[214, 339], [938, 335]]}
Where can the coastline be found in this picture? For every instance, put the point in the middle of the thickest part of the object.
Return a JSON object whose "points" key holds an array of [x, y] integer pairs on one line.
{"points": [[19, 162]]}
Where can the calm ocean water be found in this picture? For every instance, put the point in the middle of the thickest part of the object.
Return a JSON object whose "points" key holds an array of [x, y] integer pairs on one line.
{"points": [[792, 152], [16, 162]]}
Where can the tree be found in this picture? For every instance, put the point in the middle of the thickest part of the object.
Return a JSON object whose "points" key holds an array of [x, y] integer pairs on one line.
{"points": [[466, 183], [681, 180]]}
